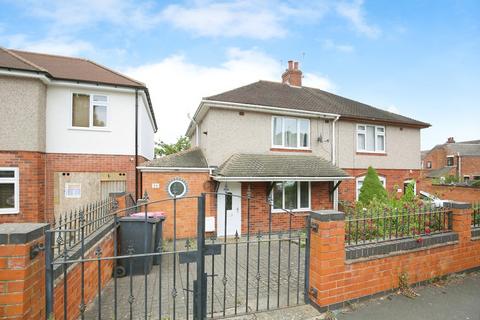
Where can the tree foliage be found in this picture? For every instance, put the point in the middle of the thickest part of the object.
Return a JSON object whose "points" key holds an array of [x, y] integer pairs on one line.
{"points": [[164, 149], [372, 188]]}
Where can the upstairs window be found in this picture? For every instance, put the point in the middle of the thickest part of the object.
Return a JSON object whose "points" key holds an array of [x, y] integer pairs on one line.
{"points": [[291, 195], [89, 111], [450, 161], [429, 164], [370, 138], [290, 133], [9, 190]]}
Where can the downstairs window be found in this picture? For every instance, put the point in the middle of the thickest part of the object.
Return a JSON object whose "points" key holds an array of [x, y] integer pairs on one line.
{"points": [[291, 195], [9, 190]]}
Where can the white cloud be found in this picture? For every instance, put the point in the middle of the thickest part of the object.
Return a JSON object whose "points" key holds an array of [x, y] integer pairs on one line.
{"points": [[353, 12], [177, 85], [331, 45]]}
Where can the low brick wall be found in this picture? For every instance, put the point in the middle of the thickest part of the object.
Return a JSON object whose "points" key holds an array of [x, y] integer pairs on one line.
{"points": [[334, 279], [22, 276]]}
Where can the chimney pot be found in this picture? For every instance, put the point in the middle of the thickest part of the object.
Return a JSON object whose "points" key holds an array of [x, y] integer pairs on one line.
{"points": [[450, 140], [293, 75]]}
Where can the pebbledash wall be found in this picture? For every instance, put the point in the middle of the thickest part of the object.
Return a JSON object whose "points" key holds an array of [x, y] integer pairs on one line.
{"points": [[338, 275]]}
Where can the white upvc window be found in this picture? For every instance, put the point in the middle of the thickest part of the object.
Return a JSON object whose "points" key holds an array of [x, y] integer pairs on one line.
{"points": [[291, 195], [406, 183], [290, 133], [89, 110], [450, 161], [9, 190], [370, 138], [359, 184]]}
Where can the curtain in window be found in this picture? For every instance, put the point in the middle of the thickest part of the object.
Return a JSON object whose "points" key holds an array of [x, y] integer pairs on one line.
{"points": [[277, 131], [80, 110], [278, 195], [303, 133], [370, 138], [291, 200], [290, 133]]}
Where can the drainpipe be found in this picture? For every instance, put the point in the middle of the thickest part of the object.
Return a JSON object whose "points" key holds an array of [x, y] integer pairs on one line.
{"points": [[459, 167], [136, 144], [333, 157]]}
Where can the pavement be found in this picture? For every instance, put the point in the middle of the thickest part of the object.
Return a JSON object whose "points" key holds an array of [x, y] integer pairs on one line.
{"points": [[455, 298]]}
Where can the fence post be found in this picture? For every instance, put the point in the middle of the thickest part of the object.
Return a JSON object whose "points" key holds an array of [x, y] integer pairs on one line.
{"points": [[460, 220], [201, 299], [49, 253]]}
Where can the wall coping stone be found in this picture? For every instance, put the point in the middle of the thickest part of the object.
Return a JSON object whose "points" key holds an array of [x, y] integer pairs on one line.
{"points": [[21, 233], [457, 205], [327, 215], [400, 246]]}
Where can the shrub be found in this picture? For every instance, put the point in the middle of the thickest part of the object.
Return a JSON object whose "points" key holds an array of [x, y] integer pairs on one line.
{"points": [[372, 188]]}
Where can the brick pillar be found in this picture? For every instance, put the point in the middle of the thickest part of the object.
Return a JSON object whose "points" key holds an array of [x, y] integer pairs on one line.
{"points": [[327, 257], [461, 220], [22, 271]]}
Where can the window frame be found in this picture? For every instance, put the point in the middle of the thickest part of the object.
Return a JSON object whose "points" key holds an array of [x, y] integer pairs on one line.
{"points": [[408, 181], [383, 179], [91, 108], [453, 161], [377, 133], [282, 145], [429, 164], [184, 188], [16, 189], [298, 197]]}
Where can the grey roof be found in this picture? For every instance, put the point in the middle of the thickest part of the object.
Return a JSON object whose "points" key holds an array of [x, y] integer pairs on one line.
{"points": [[464, 149], [273, 165], [191, 158], [438, 173], [275, 94]]}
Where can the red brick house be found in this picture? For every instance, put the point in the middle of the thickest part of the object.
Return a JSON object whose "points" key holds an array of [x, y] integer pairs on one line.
{"points": [[302, 147], [72, 132], [458, 159]]}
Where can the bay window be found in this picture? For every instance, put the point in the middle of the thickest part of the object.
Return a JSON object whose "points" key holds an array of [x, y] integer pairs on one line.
{"points": [[9, 190], [291, 195], [292, 133], [89, 111], [370, 138]]}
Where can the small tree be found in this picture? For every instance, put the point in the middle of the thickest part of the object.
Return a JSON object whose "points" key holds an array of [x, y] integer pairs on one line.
{"points": [[409, 195], [164, 149], [372, 188]]}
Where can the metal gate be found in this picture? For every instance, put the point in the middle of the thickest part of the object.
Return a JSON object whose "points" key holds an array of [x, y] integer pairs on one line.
{"points": [[263, 267]]}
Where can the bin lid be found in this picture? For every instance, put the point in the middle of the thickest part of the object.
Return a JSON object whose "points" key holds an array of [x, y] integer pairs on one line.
{"points": [[140, 219], [152, 214]]}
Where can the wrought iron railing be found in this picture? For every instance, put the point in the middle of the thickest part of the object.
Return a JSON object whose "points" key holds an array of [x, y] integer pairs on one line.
{"points": [[476, 215], [371, 226], [68, 227]]}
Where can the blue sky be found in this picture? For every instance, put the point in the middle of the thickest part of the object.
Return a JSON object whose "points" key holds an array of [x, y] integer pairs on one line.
{"points": [[417, 58]]}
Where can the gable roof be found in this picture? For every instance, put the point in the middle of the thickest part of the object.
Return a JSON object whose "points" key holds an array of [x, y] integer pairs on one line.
{"points": [[69, 69], [438, 173], [266, 166], [280, 95], [464, 149], [191, 158]]}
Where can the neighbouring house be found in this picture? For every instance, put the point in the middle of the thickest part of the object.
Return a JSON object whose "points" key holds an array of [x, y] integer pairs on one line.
{"points": [[72, 131], [456, 159], [304, 147]]}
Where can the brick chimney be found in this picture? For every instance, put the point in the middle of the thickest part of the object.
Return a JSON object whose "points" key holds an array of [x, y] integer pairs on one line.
{"points": [[292, 75], [450, 140]]}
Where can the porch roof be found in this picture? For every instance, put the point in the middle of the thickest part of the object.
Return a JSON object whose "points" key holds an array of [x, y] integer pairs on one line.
{"points": [[272, 167], [189, 160]]}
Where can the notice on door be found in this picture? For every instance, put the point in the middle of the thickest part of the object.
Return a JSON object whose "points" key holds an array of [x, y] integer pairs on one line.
{"points": [[73, 190]]}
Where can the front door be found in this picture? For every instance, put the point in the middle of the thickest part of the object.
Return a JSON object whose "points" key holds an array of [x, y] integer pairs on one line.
{"points": [[232, 204]]}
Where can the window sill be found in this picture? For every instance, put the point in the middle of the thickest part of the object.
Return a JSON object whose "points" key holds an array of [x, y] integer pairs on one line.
{"points": [[90, 129], [294, 210], [364, 153], [290, 150], [13, 211]]}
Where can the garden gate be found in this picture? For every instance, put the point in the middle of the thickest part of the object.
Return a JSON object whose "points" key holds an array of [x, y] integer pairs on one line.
{"points": [[263, 267]]}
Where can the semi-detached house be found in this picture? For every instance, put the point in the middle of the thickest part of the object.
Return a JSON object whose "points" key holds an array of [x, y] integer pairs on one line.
{"points": [[303, 147], [72, 131]]}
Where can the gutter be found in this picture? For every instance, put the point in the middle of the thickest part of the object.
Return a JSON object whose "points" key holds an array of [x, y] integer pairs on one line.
{"points": [[174, 169], [265, 179]]}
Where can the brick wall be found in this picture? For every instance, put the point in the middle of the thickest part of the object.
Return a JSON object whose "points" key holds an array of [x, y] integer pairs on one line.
{"points": [[22, 279], [90, 280], [394, 178], [470, 166], [62, 162], [32, 185], [259, 209], [338, 280], [456, 193], [186, 207], [438, 158]]}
